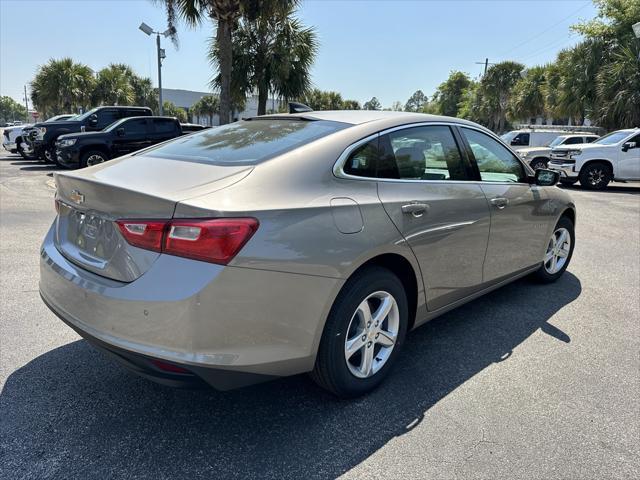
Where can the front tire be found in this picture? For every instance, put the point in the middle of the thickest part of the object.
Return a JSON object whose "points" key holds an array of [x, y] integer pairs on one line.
{"points": [[363, 334], [538, 163], [595, 176], [558, 252], [93, 157]]}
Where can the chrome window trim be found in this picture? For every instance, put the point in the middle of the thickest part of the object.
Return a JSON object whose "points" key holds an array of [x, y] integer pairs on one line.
{"points": [[338, 170]]}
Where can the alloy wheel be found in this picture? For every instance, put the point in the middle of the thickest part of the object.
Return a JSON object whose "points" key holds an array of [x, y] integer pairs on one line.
{"points": [[94, 160], [372, 334], [557, 251], [596, 176]]}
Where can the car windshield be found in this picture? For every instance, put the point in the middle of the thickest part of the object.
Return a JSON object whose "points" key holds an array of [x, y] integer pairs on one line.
{"points": [[60, 118], [612, 138], [86, 115], [246, 142]]}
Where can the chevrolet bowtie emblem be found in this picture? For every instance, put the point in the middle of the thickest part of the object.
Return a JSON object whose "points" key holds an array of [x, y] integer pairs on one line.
{"points": [[77, 197]]}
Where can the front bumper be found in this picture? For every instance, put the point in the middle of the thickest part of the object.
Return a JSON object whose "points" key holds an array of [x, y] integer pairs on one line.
{"points": [[10, 147], [229, 326], [565, 169], [68, 157]]}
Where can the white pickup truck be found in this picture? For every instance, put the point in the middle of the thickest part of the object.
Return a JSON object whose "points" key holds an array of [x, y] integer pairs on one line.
{"points": [[614, 157]]}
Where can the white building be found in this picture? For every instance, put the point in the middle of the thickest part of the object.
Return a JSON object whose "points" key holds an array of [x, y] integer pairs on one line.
{"points": [[186, 98]]}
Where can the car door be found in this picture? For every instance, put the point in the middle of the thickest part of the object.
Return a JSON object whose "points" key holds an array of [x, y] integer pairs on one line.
{"points": [[131, 135], [520, 213], [629, 161], [427, 188]]}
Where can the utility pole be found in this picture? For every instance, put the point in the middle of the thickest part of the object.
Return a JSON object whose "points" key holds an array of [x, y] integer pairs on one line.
{"points": [[26, 105], [486, 65], [160, 105]]}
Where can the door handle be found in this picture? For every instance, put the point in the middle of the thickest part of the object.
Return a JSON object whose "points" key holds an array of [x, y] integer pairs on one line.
{"points": [[499, 202], [415, 208]]}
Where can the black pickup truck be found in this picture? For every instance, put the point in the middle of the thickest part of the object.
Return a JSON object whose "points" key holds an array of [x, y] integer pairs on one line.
{"points": [[124, 136], [43, 136]]}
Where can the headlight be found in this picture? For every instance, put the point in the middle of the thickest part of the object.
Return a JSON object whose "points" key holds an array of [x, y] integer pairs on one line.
{"points": [[66, 142], [522, 154], [574, 153]]}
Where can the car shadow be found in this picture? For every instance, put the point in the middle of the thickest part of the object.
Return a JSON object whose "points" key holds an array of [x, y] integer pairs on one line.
{"points": [[611, 188], [72, 413]]}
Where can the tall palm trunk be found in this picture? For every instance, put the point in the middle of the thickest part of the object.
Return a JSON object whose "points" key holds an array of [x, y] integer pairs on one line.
{"points": [[225, 62]]}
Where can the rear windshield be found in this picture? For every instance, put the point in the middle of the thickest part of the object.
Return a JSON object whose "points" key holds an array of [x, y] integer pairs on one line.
{"points": [[245, 142]]}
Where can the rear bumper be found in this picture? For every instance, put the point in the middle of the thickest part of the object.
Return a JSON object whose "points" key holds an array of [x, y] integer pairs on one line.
{"points": [[229, 326]]}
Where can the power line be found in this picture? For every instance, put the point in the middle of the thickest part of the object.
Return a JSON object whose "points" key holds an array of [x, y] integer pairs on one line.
{"points": [[546, 29], [486, 65]]}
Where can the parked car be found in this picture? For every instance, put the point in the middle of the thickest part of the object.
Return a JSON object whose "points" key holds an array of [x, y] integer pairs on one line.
{"points": [[530, 137], [538, 157], [16, 137], [614, 157], [124, 136], [291, 243], [42, 139], [9, 136]]}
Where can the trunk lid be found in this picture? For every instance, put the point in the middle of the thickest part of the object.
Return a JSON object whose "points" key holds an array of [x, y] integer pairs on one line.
{"points": [[135, 187]]}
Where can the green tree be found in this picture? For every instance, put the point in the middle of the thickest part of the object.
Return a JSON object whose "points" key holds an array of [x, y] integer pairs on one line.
{"points": [[613, 23], [619, 90], [172, 110], [450, 92], [143, 92], [114, 85], [11, 110], [319, 100], [351, 105], [373, 104], [208, 105], [272, 52], [528, 97], [62, 86], [416, 102], [496, 88]]}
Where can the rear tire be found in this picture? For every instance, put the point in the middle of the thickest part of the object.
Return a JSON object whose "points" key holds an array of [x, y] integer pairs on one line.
{"points": [[92, 157], [551, 268], [595, 176], [351, 372]]}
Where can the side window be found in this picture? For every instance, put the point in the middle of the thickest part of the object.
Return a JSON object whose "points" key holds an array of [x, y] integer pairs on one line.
{"points": [[164, 125], [573, 141], [635, 140], [495, 162], [134, 113], [362, 161], [521, 140], [421, 153], [106, 118], [590, 139], [135, 127]]}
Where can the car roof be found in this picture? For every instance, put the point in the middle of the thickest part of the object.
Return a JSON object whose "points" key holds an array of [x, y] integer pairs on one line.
{"points": [[358, 117]]}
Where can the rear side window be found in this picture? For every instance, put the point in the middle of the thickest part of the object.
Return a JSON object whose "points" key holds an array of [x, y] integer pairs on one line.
{"points": [[573, 141], [421, 153], [246, 142], [363, 160], [135, 127], [522, 140], [107, 117], [164, 125]]}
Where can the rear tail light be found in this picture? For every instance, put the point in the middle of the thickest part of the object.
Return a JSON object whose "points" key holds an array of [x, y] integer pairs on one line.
{"points": [[169, 367], [215, 240]]}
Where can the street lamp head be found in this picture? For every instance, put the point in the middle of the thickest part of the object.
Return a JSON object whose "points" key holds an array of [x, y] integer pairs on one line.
{"points": [[169, 31], [146, 28], [636, 29]]}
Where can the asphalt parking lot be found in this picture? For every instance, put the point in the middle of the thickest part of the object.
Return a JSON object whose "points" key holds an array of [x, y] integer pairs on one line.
{"points": [[530, 381]]}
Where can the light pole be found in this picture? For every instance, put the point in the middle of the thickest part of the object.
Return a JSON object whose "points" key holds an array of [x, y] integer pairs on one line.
{"points": [[161, 54]]}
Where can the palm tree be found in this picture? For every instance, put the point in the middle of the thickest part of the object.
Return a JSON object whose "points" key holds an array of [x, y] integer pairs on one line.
{"points": [[496, 88], [62, 86], [143, 92], [619, 89], [527, 97], [224, 14], [113, 86], [272, 52], [450, 92], [207, 105]]}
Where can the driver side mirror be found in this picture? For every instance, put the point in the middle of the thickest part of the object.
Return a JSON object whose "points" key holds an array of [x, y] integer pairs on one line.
{"points": [[628, 146], [120, 132], [93, 120], [546, 178]]}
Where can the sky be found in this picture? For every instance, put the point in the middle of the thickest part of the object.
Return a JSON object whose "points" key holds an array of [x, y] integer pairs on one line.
{"points": [[383, 48]]}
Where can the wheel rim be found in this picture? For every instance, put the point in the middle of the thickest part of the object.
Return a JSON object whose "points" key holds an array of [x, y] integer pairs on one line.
{"points": [[372, 334], [47, 155], [596, 176], [557, 251], [94, 160]]}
